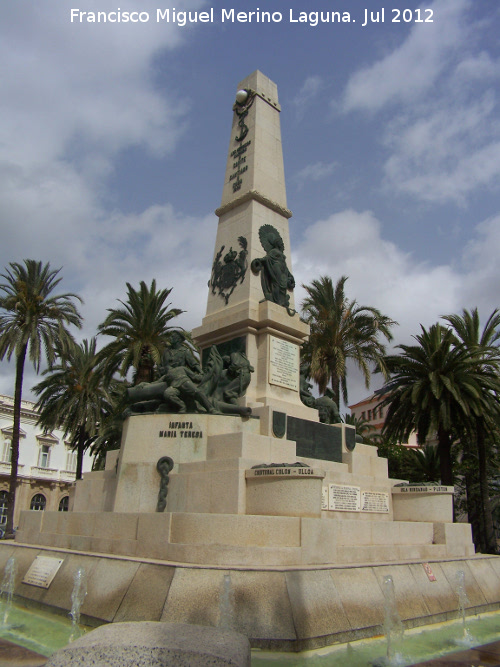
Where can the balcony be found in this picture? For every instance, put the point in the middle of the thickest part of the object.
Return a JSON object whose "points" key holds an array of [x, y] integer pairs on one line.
{"points": [[5, 468], [44, 473], [67, 476]]}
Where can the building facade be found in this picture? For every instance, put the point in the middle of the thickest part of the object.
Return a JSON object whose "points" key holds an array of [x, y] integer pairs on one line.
{"points": [[47, 464], [369, 409]]}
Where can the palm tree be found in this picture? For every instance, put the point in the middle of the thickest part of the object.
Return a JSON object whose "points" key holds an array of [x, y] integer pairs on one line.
{"points": [[363, 428], [73, 397], [33, 321], [110, 430], [341, 330], [435, 386], [484, 345], [140, 330], [423, 464]]}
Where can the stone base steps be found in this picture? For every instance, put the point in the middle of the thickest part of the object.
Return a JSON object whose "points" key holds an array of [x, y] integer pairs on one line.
{"points": [[245, 540], [223, 555], [252, 556]]}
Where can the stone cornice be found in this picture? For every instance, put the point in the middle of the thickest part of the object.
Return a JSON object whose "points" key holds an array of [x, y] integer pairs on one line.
{"points": [[256, 196], [28, 412]]}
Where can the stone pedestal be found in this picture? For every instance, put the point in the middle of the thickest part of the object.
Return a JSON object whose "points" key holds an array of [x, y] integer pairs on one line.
{"points": [[423, 503], [284, 491], [222, 510]]}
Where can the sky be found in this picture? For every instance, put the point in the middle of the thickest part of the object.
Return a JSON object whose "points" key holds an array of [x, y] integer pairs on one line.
{"points": [[114, 138]]}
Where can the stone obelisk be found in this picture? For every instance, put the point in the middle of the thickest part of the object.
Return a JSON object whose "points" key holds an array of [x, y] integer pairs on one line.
{"points": [[251, 305]]}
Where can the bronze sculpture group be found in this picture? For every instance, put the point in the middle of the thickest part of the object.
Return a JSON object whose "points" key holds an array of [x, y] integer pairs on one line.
{"points": [[183, 387]]}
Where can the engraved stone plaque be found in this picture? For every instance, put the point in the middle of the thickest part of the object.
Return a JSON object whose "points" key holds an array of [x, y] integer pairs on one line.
{"points": [[315, 440], [42, 571], [284, 360], [374, 501], [416, 490], [344, 498], [283, 472]]}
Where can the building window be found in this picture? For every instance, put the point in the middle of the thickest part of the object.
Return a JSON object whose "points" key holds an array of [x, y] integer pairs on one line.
{"points": [[44, 456], [64, 504], [4, 503], [369, 415], [362, 415], [38, 502], [7, 452], [71, 461]]}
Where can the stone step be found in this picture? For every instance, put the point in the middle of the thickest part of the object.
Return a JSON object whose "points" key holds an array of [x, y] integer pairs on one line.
{"points": [[224, 555], [263, 530], [227, 555], [385, 553]]}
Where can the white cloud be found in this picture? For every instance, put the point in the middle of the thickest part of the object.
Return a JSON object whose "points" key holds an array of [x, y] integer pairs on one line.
{"points": [[480, 263], [440, 125], [73, 97], [411, 69], [381, 275], [477, 66], [159, 243], [309, 90], [447, 153], [314, 172], [71, 82]]}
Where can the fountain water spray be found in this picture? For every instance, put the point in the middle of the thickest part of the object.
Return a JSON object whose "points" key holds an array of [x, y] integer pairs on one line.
{"points": [[77, 598], [463, 601], [7, 587], [226, 606], [393, 627]]}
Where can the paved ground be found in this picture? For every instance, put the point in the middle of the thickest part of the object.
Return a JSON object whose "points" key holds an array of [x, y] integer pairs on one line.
{"points": [[12, 655], [482, 656]]}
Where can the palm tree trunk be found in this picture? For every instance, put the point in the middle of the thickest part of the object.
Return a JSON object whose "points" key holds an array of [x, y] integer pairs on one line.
{"points": [[471, 489], [80, 450], [489, 538], [16, 430], [444, 444], [145, 368], [336, 389]]}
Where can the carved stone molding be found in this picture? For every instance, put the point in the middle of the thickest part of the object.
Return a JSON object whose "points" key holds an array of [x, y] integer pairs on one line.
{"points": [[256, 196]]}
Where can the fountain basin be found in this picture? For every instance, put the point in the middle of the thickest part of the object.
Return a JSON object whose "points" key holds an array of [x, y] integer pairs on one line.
{"points": [[418, 645], [45, 633], [277, 608]]}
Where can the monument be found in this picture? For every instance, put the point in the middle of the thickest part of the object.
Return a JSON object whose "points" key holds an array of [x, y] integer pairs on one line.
{"points": [[227, 474]]}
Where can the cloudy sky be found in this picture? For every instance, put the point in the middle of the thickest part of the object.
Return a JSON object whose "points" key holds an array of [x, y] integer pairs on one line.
{"points": [[114, 136]]}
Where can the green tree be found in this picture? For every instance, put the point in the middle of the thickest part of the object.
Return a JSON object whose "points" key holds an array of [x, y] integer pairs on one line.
{"points": [[484, 346], [435, 386], [423, 464], [111, 428], [363, 428], [74, 397], [396, 455], [33, 325], [140, 330], [467, 497], [341, 330]]}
